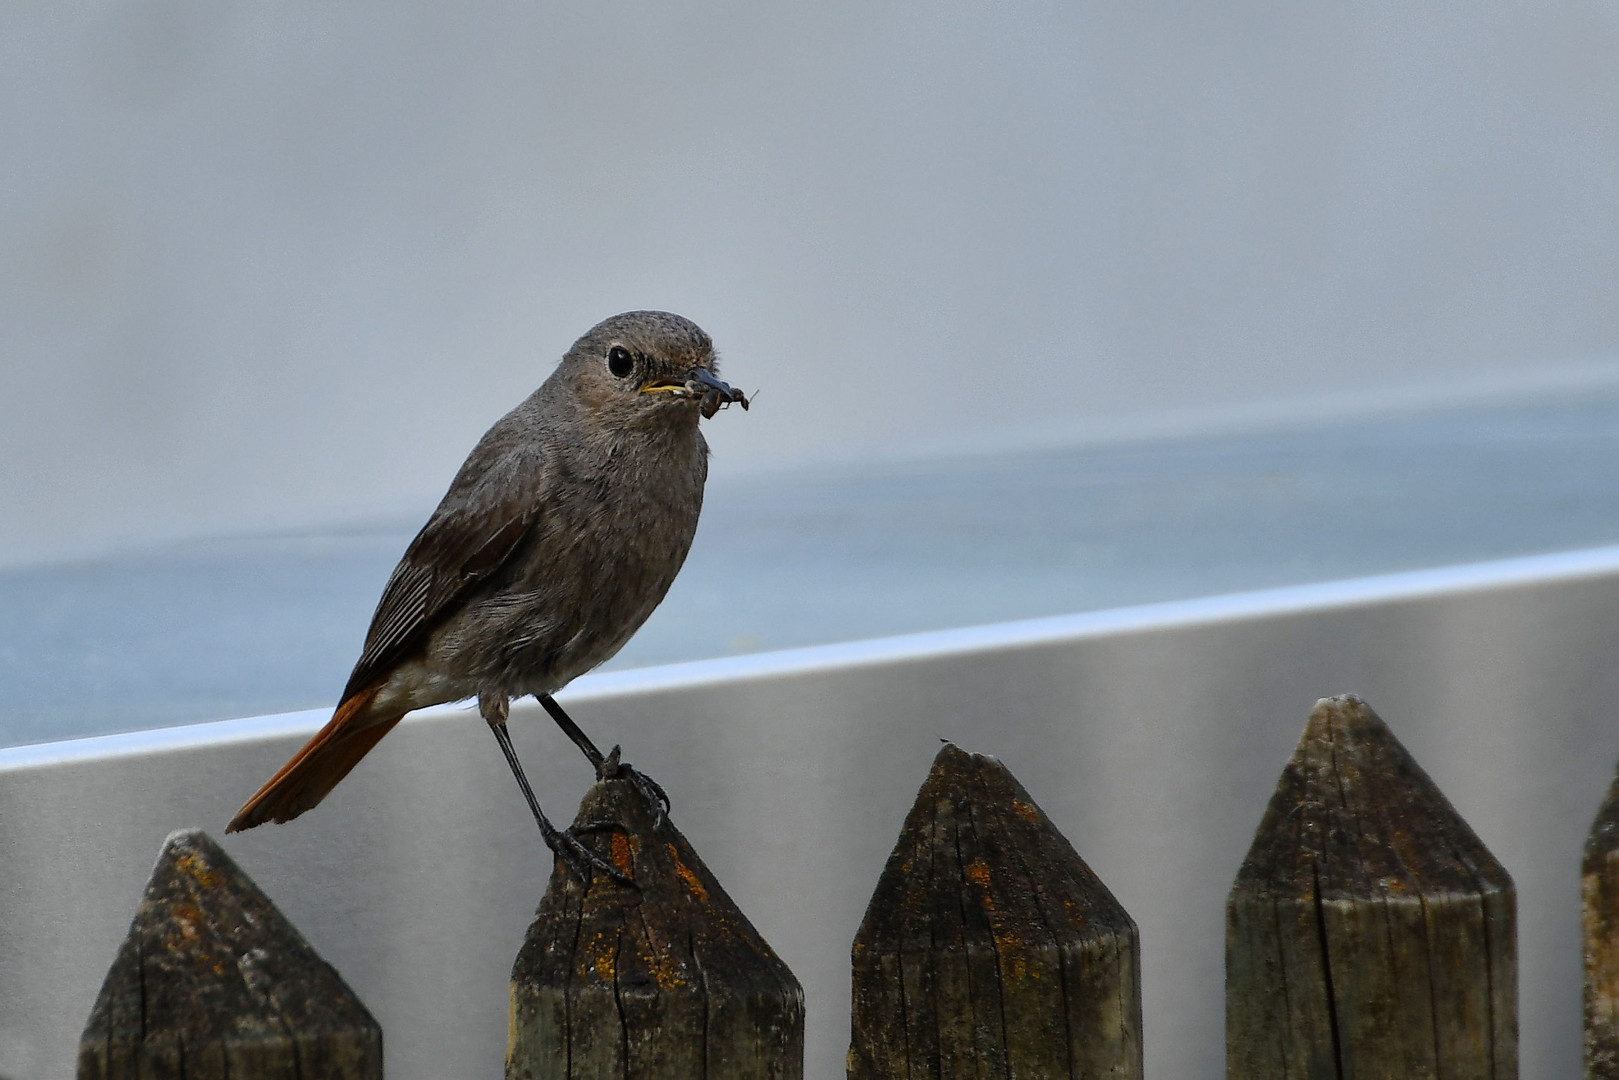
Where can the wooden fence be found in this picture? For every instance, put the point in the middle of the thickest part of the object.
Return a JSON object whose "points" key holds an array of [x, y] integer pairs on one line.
{"points": [[1369, 934]]}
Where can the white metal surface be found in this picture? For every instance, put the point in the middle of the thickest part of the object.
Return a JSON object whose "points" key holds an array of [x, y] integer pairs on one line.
{"points": [[1152, 735]]}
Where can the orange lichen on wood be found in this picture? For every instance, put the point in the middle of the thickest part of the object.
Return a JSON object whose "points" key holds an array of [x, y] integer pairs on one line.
{"points": [[689, 876], [623, 853], [989, 948], [663, 978], [213, 981]]}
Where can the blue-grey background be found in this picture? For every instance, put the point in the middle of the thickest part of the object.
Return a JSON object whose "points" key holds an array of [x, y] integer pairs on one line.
{"points": [[276, 265], [1050, 307], [221, 627]]}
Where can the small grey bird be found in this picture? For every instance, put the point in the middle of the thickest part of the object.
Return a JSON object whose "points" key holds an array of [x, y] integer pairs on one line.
{"points": [[560, 534]]}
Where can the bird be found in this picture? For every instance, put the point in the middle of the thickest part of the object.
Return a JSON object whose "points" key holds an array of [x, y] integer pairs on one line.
{"points": [[559, 535]]}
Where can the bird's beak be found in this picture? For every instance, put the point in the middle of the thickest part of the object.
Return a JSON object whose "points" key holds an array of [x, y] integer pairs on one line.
{"points": [[700, 383]]}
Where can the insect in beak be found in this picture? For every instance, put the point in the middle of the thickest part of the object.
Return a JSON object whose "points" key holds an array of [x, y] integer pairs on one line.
{"points": [[716, 394]]}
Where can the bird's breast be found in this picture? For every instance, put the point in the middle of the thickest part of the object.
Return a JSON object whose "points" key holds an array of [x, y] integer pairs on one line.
{"points": [[605, 548]]}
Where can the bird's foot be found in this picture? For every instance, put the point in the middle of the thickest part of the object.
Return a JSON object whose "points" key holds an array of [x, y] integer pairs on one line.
{"points": [[611, 768], [577, 856]]}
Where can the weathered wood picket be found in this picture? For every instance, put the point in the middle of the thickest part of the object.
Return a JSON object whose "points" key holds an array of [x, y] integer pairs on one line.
{"points": [[1369, 934], [663, 979], [213, 982], [989, 948], [1600, 889]]}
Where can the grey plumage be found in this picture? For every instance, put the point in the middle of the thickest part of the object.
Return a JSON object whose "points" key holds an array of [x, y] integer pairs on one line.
{"points": [[561, 533]]}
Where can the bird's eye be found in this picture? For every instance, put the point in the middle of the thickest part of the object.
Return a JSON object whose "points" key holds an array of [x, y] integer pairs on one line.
{"points": [[619, 361]]}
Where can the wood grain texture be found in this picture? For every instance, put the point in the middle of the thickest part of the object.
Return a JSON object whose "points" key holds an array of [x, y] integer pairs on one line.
{"points": [[214, 983], [989, 948], [1369, 933], [1600, 888], [668, 979]]}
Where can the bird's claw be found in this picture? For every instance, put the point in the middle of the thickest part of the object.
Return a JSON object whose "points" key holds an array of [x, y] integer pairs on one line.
{"points": [[654, 794], [579, 858], [612, 768]]}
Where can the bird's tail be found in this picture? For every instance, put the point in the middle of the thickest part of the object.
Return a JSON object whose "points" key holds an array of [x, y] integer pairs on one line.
{"points": [[316, 769]]}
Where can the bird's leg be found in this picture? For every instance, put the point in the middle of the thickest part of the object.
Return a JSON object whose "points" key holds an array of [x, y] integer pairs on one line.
{"points": [[563, 842], [608, 766], [571, 730]]}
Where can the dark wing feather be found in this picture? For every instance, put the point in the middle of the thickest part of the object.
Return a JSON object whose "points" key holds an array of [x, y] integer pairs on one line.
{"points": [[477, 527]]}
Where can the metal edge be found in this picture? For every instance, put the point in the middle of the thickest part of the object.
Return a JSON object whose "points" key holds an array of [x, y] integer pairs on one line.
{"points": [[1141, 618]]}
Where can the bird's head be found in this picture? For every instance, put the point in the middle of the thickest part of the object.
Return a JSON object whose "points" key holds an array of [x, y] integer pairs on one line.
{"points": [[643, 364]]}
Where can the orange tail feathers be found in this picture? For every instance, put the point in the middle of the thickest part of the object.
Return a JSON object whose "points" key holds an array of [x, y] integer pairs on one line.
{"points": [[316, 769]]}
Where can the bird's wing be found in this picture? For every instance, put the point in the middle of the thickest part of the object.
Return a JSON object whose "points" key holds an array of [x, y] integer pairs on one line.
{"points": [[468, 538]]}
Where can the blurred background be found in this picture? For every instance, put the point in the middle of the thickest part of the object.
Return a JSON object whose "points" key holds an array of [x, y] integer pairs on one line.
{"points": [[266, 266], [1162, 275], [1049, 308]]}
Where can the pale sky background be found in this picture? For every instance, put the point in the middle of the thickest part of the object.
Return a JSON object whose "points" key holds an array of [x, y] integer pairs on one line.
{"points": [[279, 264]]}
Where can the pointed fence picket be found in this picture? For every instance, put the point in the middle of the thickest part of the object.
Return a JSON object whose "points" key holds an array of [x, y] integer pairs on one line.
{"points": [[1369, 934]]}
